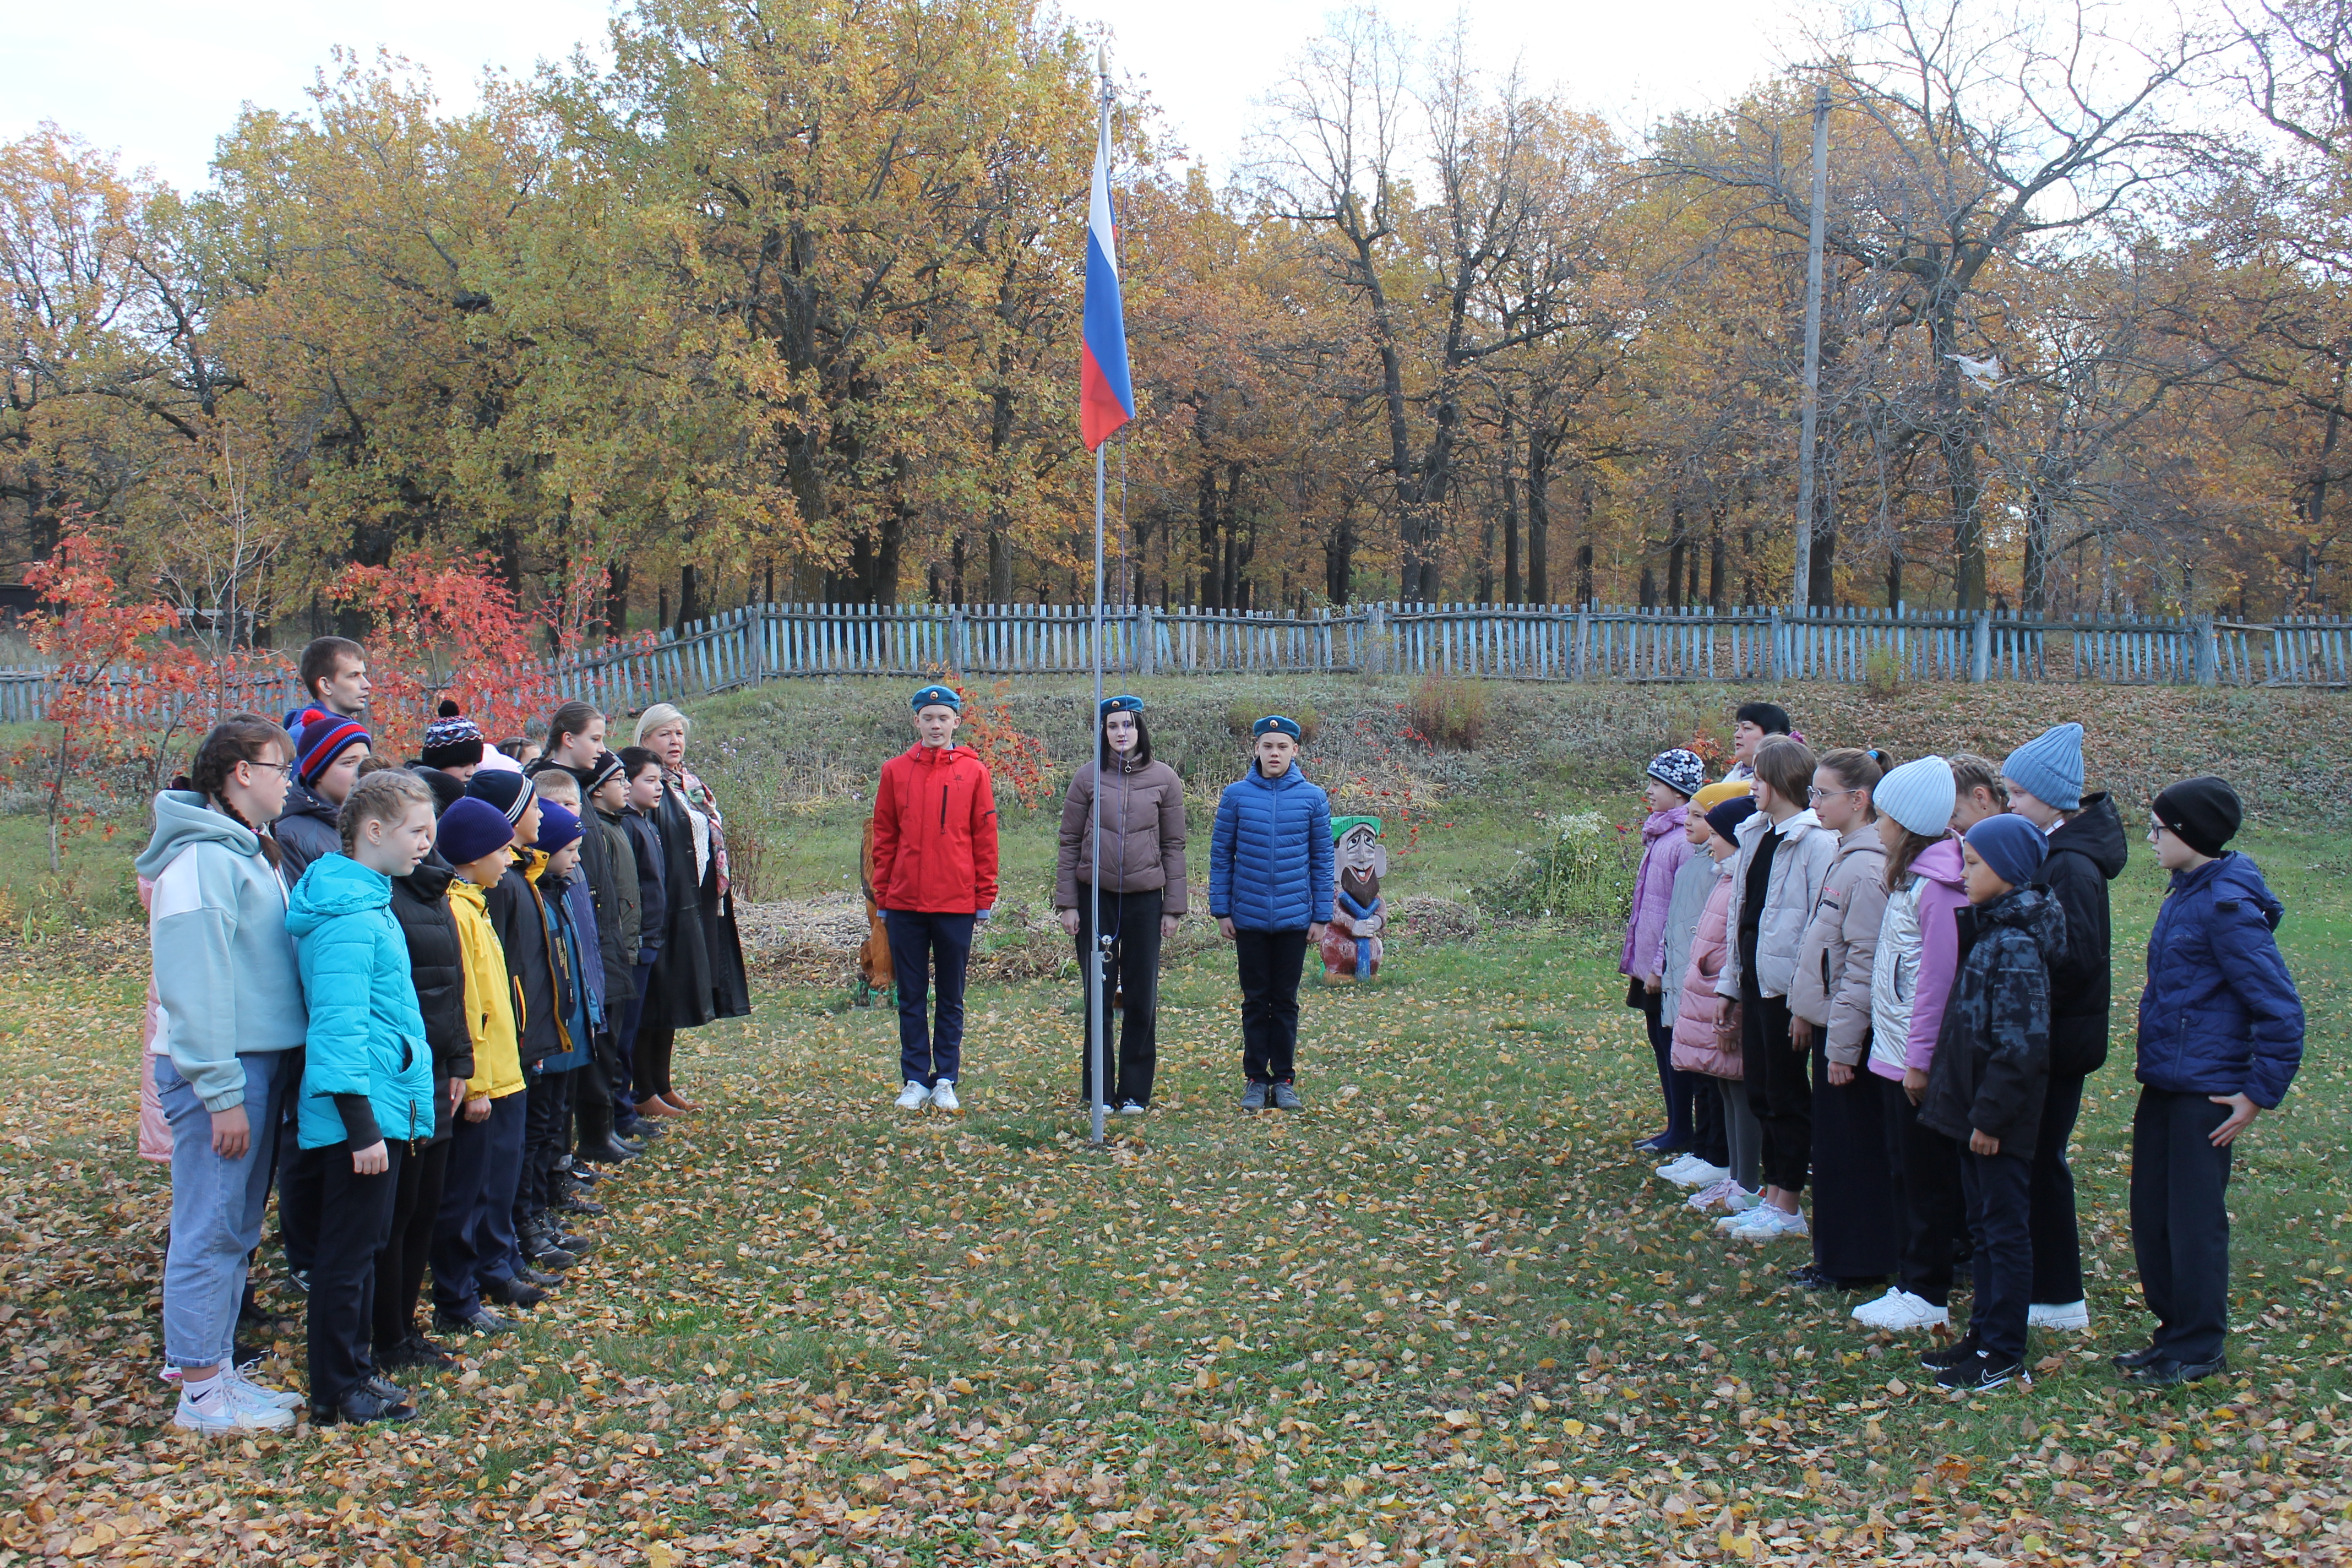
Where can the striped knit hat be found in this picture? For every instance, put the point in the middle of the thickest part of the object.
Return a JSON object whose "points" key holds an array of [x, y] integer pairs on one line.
{"points": [[324, 737]]}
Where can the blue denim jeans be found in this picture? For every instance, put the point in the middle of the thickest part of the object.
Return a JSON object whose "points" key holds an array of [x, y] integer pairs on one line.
{"points": [[216, 1206]]}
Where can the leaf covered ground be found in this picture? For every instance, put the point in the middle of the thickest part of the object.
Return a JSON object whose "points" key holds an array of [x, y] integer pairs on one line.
{"points": [[1443, 1315]]}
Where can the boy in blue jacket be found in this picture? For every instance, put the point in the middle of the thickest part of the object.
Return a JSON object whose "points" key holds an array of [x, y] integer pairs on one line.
{"points": [[367, 1078], [2220, 1034], [1270, 890]]}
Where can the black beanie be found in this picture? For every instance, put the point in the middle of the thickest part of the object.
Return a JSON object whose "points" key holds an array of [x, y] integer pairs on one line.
{"points": [[2202, 812], [1727, 816]]}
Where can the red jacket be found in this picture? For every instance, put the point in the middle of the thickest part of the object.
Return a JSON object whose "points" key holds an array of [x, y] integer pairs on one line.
{"points": [[935, 832]]}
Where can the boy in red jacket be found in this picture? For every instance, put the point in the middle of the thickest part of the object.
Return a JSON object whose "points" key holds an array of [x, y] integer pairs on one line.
{"points": [[934, 859]]}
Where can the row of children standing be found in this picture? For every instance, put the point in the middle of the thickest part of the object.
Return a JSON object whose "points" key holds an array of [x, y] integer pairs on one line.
{"points": [[1890, 984], [434, 1003]]}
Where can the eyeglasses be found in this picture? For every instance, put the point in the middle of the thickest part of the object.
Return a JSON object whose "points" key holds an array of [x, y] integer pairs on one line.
{"points": [[283, 770], [1816, 793]]}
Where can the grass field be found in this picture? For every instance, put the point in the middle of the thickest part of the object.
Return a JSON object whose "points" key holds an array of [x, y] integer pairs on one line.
{"points": [[1443, 1315]]}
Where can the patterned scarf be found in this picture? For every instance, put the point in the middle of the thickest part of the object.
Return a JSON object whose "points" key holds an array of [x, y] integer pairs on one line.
{"points": [[701, 802]]}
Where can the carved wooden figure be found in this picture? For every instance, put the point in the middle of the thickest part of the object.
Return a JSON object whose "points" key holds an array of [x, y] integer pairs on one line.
{"points": [[1351, 943]]}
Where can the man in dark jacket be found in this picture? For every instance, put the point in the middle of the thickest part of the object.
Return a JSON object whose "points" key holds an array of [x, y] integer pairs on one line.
{"points": [[1985, 1087], [2220, 1035], [2087, 851], [420, 902]]}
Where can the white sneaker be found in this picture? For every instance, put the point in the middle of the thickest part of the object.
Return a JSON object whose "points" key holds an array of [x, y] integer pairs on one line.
{"points": [[223, 1403], [914, 1097], [2073, 1317], [1899, 1311], [1737, 1205], [1767, 1223], [1673, 1169], [943, 1096], [1129, 1107], [276, 1398], [1697, 1172]]}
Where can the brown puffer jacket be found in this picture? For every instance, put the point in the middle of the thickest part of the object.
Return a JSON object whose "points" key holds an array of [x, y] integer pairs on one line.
{"points": [[1832, 990], [1143, 834]]}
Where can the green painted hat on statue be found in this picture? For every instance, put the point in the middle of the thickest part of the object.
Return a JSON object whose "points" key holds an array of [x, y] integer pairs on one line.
{"points": [[1342, 825]]}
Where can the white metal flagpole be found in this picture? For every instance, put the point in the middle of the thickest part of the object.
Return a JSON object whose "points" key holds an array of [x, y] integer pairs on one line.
{"points": [[1098, 956]]}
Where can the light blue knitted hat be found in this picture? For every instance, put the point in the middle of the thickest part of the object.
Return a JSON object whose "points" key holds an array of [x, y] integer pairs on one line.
{"points": [[1920, 796], [2049, 767]]}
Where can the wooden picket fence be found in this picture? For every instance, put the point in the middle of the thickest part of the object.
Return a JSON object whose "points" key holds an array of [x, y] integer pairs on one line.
{"points": [[1517, 642]]}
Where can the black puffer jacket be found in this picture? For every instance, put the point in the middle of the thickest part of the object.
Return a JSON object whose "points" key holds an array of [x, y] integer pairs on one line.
{"points": [[521, 924], [2085, 854], [1992, 1055], [420, 902], [305, 829], [653, 873], [678, 987]]}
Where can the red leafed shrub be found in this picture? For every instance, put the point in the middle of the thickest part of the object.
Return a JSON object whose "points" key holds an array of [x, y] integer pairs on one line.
{"points": [[1015, 758], [443, 630]]}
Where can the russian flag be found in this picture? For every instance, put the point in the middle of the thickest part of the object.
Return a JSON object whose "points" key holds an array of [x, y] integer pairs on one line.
{"points": [[1106, 395]]}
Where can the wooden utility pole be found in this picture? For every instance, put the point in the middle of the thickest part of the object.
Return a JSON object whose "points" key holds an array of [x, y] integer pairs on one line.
{"points": [[1810, 406]]}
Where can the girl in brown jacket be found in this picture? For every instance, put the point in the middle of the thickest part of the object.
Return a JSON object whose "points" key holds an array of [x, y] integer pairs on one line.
{"points": [[1142, 890], [1855, 1224]]}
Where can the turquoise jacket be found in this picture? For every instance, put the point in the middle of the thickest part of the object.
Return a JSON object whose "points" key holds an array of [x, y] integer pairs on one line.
{"points": [[366, 1035]]}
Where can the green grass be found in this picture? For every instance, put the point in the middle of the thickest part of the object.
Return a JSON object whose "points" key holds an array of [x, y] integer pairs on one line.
{"points": [[1444, 1310]]}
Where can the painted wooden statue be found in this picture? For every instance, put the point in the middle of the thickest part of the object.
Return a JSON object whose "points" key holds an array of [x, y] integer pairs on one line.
{"points": [[1351, 943], [874, 969]]}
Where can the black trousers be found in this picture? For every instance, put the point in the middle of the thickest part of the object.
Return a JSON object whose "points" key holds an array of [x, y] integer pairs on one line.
{"points": [[1680, 1089], [928, 951], [1923, 1169], [592, 1095], [1133, 921], [2057, 1240], [544, 1142], [408, 1244], [1777, 1089], [1857, 1233], [1270, 962], [2180, 1221], [297, 1199], [1998, 1189], [354, 1221], [1711, 1140]]}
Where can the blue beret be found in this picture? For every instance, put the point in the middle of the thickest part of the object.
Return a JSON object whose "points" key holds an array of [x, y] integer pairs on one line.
{"points": [[1111, 705], [937, 696], [1273, 723]]}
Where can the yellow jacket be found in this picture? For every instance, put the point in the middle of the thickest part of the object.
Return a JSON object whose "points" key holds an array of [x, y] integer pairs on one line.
{"points": [[489, 1004]]}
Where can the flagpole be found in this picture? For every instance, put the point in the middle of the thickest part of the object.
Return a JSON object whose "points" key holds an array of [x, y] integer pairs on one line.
{"points": [[1098, 958]]}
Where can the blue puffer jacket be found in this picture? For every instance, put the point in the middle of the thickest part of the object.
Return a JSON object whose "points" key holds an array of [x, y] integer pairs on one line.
{"points": [[366, 1035], [1270, 860], [2220, 1015]]}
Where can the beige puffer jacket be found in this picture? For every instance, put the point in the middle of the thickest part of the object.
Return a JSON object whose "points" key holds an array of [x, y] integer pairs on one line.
{"points": [[1833, 965], [1143, 838], [1800, 866]]}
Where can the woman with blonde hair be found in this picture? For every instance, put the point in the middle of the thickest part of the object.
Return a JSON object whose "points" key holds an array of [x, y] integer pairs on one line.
{"points": [[698, 976]]}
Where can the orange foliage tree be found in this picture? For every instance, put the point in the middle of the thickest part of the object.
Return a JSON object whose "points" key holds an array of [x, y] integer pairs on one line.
{"points": [[1014, 758], [120, 688], [443, 630]]}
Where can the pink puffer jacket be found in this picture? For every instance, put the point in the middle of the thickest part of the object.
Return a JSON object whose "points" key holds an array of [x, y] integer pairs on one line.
{"points": [[1700, 1044]]}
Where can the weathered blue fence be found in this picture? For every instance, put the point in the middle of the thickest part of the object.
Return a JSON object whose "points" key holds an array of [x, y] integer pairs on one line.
{"points": [[1519, 642]]}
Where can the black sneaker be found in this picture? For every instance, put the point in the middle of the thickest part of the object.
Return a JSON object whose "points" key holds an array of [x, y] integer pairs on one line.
{"points": [[1957, 1354], [580, 1205], [539, 1277], [480, 1321], [383, 1388], [359, 1405], [2163, 1372], [414, 1354], [2130, 1361], [1980, 1373]]}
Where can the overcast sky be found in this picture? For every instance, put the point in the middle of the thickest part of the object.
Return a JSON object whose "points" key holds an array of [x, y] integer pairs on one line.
{"points": [[169, 78]]}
